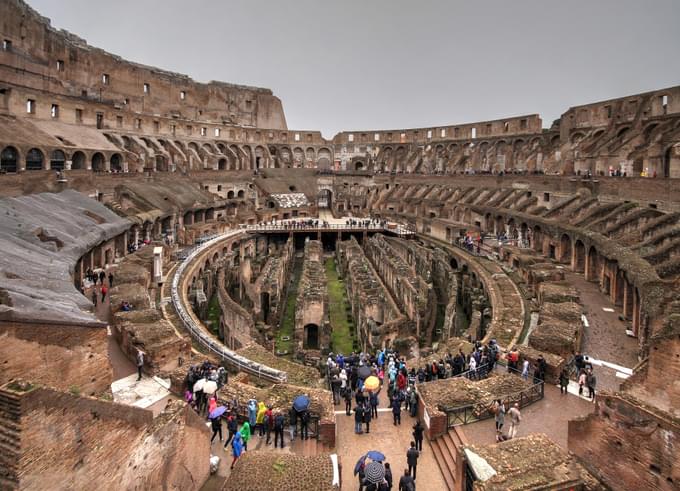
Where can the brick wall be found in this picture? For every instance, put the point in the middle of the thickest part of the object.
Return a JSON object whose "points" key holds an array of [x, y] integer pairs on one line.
{"points": [[62, 356]]}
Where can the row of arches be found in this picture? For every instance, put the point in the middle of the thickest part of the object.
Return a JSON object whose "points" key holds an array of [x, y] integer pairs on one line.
{"points": [[36, 159]]}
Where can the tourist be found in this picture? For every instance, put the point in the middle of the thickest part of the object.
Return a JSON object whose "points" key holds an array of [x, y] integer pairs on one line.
{"points": [[564, 381], [515, 419], [591, 382], [237, 447], [259, 418], [140, 364], [292, 423], [525, 369], [245, 434], [304, 425], [216, 424], [396, 411], [348, 401], [104, 290], [412, 455], [541, 367], [581, 381], [368, 414], [373, 399], [388, 476], [212, 405], [472, 368], [110, 280], [499, 411], [406, 482], [268, 423], [252, 412], [358, 419], [232, 428], [95, 295], [413, 403], [343, 380], [279, 423], [102, 277], [418, 431]]}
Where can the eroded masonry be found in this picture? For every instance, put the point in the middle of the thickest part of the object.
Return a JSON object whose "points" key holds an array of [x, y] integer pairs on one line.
{"points": [[142, 211]]}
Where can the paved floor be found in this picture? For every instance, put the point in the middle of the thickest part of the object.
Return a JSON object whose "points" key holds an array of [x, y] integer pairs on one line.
{"points": [[549, 416], [388, 439], [605, 338]]}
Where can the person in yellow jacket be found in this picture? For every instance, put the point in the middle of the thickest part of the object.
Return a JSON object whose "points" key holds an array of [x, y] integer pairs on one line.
{"points": [[259, 420]]}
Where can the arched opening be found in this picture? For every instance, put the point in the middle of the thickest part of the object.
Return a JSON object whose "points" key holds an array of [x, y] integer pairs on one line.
{"points": [[34, 159], [579, 257], [454, 263], [98, 162], [538, 239], [230, 195], [359, 166], [325, 198], [264, 306], [78, 161], [565, 249], [311, 340], [210, 214], [593, 269], [9, 159], [116, 163], [57, 160], [622, 132], [188, 218], [222, 164], [241, 194], [161, 163], [667, 162]]}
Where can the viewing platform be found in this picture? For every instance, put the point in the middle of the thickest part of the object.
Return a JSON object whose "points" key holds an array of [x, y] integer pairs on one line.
{"points": [[353, 225]]}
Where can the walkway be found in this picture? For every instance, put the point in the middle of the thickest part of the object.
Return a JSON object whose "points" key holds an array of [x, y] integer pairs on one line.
{"points": [[605, 339], [388, 439]]}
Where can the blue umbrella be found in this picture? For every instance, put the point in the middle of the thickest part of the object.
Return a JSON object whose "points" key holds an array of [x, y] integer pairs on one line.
{"points": [[217, 412], [375, 455], [301, 403]]}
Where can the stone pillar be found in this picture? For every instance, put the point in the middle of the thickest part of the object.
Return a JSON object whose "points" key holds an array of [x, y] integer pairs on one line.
{"points": [[636, 312]]}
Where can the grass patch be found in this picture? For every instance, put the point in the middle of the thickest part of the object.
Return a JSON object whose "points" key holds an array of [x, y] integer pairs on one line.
{"points": [[287, 327], [342, 328], [214, 313]]}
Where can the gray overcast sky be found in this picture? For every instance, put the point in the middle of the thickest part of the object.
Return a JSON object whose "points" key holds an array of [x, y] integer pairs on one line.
{"points": [[378, 64]]}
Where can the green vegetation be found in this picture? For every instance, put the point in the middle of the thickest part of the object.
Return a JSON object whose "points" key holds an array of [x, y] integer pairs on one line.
{"points": [[75, 390], [287, 328], [342, 328], [214, 313]]}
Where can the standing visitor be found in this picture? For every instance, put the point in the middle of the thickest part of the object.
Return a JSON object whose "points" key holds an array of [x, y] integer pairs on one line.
{"points": [[358, 419], [104, 290], [412, 455], [564, 381], [292, 423], [396, 411], [348, 401], [515, 420], [418, 435], [525, 369], [500, 416], [406, 483], [216, 424], [110, 280], [140, 364], [304, 425], [373, 398], [237, 447], [591, 381], [581, 382], [368, 415], [278, 429], [245, 434], [232, 428]]}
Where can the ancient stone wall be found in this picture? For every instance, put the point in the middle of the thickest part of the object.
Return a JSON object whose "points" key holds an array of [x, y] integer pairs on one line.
{"points": [[68, 357], [312, 326]]}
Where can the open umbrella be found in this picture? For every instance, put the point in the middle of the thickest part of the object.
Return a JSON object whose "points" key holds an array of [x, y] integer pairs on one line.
{"points": [[210, 387], [364, 372], [372, 383], [198, 385], [374, 472], [301, 403], [376, 456], [219, 411]]}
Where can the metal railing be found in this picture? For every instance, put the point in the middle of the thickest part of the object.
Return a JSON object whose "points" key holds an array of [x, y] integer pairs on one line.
{"points": [[201, 335], [477, 412], [302, 226]]}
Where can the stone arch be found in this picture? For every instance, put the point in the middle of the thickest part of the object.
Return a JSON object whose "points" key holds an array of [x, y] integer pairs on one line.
{"points": [[324, 159], [161, 163], [579, 259], [35, 160], [98, 162], [230, 195], [9, 159], [298, 157], [57, 159], [78, 161], [565, 249], [311, 336], [310, 154], [576, 137], [622, 131], [116, 162], [260, 157], [222, 164], [593, 265], [241, 194]]}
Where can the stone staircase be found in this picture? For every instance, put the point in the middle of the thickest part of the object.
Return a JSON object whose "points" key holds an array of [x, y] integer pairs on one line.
{"points": [[450, 459], [10, 439]]}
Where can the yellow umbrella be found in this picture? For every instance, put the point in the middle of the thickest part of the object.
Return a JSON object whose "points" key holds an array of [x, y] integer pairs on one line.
{"points": [[372, 383]]}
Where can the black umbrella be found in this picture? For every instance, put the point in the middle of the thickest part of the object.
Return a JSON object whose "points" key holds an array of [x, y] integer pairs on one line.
{"points": [[374, 472], [364, 372]]}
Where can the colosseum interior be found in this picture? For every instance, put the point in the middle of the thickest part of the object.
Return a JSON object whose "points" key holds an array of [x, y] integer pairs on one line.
{"points": [[224, 237]]}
